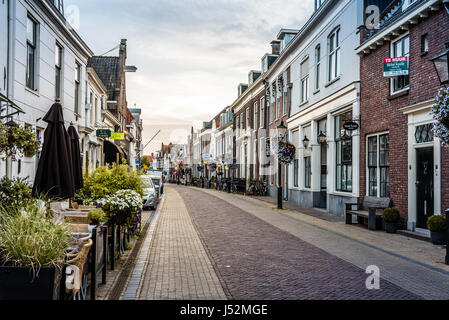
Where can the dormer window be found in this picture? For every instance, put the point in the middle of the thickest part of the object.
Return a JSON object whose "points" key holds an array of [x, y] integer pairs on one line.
{"points": [[407, 3], [318, 4]]}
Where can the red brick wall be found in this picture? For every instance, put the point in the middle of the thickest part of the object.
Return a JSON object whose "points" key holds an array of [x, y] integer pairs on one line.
{"points": [[379, 112]]}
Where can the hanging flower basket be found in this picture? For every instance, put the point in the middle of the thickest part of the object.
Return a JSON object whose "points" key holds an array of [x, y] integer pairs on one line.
{"points": [[286, 152], [440, 112], [17, 140]]}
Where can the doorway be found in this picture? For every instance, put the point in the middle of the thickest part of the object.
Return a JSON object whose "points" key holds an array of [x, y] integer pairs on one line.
{"points": [[424, 186], [323, 177]]}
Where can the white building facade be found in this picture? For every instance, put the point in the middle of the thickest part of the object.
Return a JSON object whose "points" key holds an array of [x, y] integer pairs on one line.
{"points": [[45, 61]]}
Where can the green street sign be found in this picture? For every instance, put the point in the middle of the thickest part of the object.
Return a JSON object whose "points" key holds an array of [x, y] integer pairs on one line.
{"points": [[117, 136], [394, 67], [103, 133]]}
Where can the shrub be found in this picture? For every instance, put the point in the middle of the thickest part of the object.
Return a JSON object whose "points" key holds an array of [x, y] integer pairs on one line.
{"points": [[97, 216], [436, 223], [28, 238], [123, 206], [391, 215], [15, 193], [106, 181]]}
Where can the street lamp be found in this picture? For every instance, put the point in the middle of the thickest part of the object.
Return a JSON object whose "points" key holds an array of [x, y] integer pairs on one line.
{"points": [[441, 63], [282, 133]]}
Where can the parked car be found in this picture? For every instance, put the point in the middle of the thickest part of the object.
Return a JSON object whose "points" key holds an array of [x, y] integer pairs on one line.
{"points": [[158, 181], [151, 197]]}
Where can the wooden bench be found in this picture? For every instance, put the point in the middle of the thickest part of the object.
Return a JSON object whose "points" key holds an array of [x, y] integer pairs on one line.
{"points": [[371, 209]]}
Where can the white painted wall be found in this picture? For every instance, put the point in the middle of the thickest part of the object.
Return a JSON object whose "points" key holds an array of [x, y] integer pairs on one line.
{"points": [[3, 46], [36, 104]]}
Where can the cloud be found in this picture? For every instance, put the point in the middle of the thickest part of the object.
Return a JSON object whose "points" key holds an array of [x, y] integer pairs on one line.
{"points": [[191, 54]]}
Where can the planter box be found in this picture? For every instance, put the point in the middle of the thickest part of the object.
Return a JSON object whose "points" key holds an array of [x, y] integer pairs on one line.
{"points": [[438, 238], [16, 283]]}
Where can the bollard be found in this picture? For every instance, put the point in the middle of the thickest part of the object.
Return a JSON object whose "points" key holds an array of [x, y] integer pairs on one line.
{"points": [[447, 237]]}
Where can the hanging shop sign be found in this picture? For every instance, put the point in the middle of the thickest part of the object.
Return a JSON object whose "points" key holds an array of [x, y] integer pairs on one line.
{"points": [[117, 136], [394, 67], [103, 133], [351, 126]]}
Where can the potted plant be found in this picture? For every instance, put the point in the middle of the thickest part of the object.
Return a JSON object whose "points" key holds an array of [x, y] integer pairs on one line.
{"points": [[97, 216], [437, 227], [32, 254], [286, 152], [391, 218], [16, 139], [122, 207]]}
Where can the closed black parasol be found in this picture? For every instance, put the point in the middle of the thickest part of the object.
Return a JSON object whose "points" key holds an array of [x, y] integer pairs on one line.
{"points": [[54, 177], [76, 158]]}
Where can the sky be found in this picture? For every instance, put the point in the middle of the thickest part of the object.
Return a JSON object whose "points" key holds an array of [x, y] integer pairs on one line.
{"points": [[190, 54]]}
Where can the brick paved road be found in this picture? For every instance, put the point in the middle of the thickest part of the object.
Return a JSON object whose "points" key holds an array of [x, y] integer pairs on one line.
{"points": [[178, 265], [257, 260]]}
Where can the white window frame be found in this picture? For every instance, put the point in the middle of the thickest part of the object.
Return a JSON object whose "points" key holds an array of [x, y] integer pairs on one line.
{"points": [[317, 66], [401, 38], [378, 171], [59, 63], [255, 115], [35, 46], [262, 112], [334, 56]]}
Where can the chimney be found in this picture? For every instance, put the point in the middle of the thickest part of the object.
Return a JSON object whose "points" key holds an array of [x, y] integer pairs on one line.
{"points": [[123, 47], [275, 47]]}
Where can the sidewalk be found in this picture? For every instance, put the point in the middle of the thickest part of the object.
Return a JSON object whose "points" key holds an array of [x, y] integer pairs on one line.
{"points": [[414, 265], [178, 265]]}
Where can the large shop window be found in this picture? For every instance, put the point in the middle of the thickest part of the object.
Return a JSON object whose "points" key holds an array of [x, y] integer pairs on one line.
{"points": [[379, 166], [344, 153], [400, 48]]}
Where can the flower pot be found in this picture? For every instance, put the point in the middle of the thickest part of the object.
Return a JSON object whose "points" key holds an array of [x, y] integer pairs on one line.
{"points": [[29, 154], [17, 283], [391, 227], [438, 238]]}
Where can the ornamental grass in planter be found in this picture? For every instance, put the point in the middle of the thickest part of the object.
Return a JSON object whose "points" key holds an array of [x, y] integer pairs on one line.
{"points": [[391, 217], [32, 253], [437, 227]]}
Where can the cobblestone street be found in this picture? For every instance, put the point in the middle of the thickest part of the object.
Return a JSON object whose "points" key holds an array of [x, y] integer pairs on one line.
{"points": [[213, 245]]}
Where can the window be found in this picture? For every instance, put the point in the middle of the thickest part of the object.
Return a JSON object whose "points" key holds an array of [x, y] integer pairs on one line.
{"points": [[307, 172], [58, 71], [334, 55], [284, 99], [262, 112], [91, 102], [425, 43], [255, 115], [295, 142], [77, 87], [241, 123], [276, 101], [344, 153], [317, 66], [247, 119], [96, 110], [305, 80], [400, 48], [379, 166], [31, 73], [318, 4]]}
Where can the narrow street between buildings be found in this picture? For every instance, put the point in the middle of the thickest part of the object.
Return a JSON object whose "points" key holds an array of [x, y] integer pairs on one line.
{"points": [[215, 245]]}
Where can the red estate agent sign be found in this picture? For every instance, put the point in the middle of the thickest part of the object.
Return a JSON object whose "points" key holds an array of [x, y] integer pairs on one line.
{"points": [[394, 67]]}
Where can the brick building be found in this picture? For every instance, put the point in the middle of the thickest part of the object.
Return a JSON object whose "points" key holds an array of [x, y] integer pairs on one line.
{"points": [[400, 158]]}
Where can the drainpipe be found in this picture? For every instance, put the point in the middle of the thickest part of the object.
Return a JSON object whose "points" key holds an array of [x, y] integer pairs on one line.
{"points": [[10, 69]]}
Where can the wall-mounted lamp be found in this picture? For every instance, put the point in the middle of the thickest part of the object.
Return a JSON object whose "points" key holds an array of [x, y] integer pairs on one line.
{"points": [[306, 142], [441, 63], [322, 139]]}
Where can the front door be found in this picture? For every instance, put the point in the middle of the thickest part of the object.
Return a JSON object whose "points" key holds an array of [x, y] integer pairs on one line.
{"points": [[424, 186]]}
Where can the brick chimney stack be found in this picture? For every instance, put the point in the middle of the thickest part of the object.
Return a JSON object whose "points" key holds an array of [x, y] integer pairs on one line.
{"points": [[275, 47]]}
